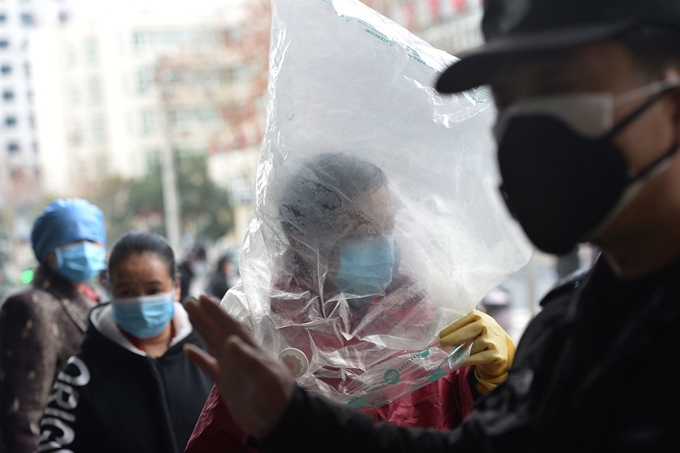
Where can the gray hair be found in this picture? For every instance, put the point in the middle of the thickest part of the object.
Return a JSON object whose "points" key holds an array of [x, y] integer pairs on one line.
{"points": [[313, 203]]}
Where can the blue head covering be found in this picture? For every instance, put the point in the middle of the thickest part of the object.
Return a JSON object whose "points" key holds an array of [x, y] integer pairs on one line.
{"points": [[66, 220]]}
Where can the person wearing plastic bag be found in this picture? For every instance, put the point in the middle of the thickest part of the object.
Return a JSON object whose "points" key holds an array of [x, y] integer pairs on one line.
{"points": [[337, 215], [41, 326], [588, 134], [130, 387]]}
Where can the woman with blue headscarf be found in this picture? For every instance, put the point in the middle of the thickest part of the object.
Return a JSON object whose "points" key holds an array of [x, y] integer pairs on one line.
{"points": [[42, 326]]}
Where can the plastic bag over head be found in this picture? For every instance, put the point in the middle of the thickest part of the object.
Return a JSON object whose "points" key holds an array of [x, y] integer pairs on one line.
{"points": [[378, 220]]}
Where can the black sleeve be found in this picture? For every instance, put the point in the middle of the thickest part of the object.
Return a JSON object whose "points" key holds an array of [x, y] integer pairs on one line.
{"points": [[314, 424]]}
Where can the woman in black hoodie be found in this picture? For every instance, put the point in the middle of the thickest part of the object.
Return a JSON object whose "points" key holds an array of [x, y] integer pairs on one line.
{"points": [[130, 387]]}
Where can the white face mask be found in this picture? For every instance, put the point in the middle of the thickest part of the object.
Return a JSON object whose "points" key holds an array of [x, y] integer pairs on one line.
{"points": [[588, 114]]}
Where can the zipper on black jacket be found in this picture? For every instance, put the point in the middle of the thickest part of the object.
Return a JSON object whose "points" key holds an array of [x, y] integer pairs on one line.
{"points": [[153, 364]]}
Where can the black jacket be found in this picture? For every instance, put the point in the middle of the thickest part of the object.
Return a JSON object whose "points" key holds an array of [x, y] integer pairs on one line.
{"points": [[111, 397], [596, 370]]}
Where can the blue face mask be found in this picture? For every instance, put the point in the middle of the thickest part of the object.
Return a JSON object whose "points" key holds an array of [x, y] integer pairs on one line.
{"points": [[80, 262], [146, 316], [366, 267]]}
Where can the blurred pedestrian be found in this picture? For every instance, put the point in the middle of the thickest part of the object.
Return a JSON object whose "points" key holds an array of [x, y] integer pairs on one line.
{"points": [[42, 325], [588, 97], [130, 387], [222, 277], [194, 265]]}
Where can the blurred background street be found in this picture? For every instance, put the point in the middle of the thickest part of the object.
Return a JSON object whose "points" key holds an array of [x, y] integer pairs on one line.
{"points": [[155, 111]]}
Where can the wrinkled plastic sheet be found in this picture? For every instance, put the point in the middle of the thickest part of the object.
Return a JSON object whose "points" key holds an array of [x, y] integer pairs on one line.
{"points": [[351, 90]]}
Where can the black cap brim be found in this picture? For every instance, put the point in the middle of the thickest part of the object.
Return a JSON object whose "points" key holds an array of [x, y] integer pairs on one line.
{"points": [[477, 67]]}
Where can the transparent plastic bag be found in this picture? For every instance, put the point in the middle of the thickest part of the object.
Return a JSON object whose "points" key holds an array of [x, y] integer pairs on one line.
{"points": [[378, 221]]}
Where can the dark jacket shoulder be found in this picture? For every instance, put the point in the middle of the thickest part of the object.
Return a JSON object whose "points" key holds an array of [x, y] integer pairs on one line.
{"points": [[565, 287]]}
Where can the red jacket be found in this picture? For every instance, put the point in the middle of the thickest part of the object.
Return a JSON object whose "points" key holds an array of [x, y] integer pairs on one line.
{"points": [[441, 405]]}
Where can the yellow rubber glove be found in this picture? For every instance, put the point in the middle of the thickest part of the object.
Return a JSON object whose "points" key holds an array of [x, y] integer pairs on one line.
{"points": [[492, 348]]}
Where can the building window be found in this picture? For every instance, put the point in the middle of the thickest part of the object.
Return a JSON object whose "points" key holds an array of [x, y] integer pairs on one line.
{"points": [[75, 95], [153, 161], [145, 78], [4, 43], [8, 95], [99, 130], [95, 90], [150, 122], [184, 119], [5, 69], [92, 51], [167, 40], [3, 18], [28, 19], [138, 40], [12, 147], [10, 121]]}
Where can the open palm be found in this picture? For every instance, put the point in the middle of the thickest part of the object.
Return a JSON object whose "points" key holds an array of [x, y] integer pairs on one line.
{"points": [[254, 385]]}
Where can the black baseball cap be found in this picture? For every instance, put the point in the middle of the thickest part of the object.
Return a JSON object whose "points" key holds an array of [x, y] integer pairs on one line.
{"points": [[515, 28]]}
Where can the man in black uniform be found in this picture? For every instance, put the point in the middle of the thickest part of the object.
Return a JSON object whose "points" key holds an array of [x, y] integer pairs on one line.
{"points": [[588, 133]]}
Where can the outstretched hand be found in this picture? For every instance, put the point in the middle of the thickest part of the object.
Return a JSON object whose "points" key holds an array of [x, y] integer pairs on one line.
{"points": [[254, 385]]}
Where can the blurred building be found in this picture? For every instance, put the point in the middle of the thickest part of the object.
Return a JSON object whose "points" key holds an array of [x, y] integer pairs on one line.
{"points": [[112, 96], [19, 145], [450, 25], [226, 87]]}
